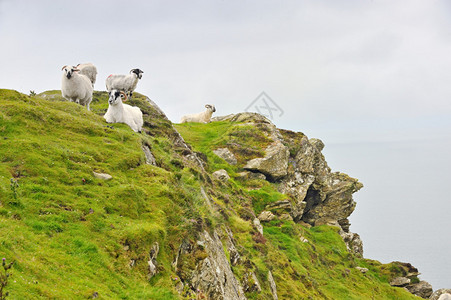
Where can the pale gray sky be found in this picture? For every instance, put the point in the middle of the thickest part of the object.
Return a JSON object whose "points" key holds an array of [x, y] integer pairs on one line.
{"points": [[369, 78]]}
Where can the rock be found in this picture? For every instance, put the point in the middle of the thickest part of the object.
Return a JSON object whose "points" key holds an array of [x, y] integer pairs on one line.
{"points": [[251, 175], [226, 155], [258, 226], [274, 164], [353, 242], [150, 159], [303, 239], [231, 248], [282, 205], [400, 281], [272, 285], [221, 175], [102, 176], [317, 143], [285, 217], [441, 294], [153, 253], [266, 216], [363, 270], [422, 289], [251, 283]]}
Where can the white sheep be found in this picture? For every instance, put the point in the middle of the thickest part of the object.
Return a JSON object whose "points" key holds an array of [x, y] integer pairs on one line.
{"points": [[119, 112], [76, 87], [89, 70], [125, 83], [203, 117]]}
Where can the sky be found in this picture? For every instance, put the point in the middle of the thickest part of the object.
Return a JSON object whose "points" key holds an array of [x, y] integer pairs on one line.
{"points": [[371, 78]]}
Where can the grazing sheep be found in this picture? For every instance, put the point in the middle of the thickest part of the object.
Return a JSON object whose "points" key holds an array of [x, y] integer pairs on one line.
{"points": [[125, 83], [76, 87], [88, 70], [123, 113], [203, 117]]}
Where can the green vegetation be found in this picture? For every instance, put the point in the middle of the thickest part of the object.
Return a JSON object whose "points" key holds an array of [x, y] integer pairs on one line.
{"points": [[73, 236]]}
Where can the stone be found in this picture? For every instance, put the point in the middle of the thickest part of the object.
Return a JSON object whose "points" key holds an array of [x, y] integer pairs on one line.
{"points": [[400, 281], [421, 289], [251, 283], [226, 155], [274, 164], [353, 242], [272, 285], [362, 270], [266, 216], [221, 175], [445, 296], [285, 217], [282, 205], [153, 253], [258, 226], [251, 175], [317, 143], [102, 176], [150, 159]]}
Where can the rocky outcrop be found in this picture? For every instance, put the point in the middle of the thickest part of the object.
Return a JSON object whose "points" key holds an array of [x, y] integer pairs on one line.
{"points": [[150, 159], [441, 294], [153, 253], [221, 175], [226, 155], [205, 267], [272, 285], [422, 289], [400, 281], [275, 163]]}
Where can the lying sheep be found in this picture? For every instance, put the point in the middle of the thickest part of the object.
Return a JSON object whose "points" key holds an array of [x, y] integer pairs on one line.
{"points": [[203, 117], [88, 70], [125, 83], [123, 113], [76, 87]]}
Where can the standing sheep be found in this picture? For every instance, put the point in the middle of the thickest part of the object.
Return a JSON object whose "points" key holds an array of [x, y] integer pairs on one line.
{"points": [[76, 87], [203, 117], [89, 70], [125, 83], [119, 112]]}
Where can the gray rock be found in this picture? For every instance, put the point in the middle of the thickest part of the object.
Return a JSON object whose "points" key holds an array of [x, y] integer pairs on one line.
{"points": [[362, 270], [422, 289], [251, 283], [258, 226], [400, 281], [251, 175], [282, 205], [226, 155], [150, 159], [102, 176], [266, 216], [275, 162], [153, 260], [221, 175], [353, 243], [272, 285]]}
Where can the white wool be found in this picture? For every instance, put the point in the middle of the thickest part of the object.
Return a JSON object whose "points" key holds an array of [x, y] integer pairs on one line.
{"points": [[202, 117], [125, 83], [76, 87], [89, 70], [119, 112]]}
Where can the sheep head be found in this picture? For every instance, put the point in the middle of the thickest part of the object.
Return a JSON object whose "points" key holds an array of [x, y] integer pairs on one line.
{"points": [[69, 70], [210, 107], [138, 72], [116, 96]]}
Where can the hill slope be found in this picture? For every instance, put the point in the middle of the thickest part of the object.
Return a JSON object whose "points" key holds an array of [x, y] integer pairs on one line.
{"points": [[164, 227]]}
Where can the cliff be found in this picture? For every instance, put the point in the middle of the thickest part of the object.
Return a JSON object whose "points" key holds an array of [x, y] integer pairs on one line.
{"points": [[233, 209]]}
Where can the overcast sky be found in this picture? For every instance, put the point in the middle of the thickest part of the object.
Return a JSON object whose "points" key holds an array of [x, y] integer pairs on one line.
{"points": [[369, 78]]}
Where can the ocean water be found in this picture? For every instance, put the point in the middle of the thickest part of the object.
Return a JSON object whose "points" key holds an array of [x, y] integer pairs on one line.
{"points": [[403, 212]]}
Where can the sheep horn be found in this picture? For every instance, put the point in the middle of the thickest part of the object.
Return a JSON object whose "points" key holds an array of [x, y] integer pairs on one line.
{"points": [[125, 96], [63, 67]]}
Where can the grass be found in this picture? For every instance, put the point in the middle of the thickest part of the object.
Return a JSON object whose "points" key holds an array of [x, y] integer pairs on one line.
{"points": [[73, 236]]}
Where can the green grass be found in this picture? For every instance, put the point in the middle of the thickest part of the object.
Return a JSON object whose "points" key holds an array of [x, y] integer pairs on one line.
{"points": [[72, 235]]}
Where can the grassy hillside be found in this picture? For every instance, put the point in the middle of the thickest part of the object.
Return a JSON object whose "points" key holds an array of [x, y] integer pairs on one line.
{"points": [[73, 236]]}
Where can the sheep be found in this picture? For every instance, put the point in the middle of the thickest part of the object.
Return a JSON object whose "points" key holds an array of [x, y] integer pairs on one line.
{"points": [[89, 70], [203, 117], [119, 112], [125, 83], [76, 87]]}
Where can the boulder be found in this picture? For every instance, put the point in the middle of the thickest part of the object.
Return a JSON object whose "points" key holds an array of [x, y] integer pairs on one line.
{"points": [[226, 155], [421, 289], [221, 175], [441, 294], [251, 283], [102, 176], [266, 216], [400, 281], [274, 164]]}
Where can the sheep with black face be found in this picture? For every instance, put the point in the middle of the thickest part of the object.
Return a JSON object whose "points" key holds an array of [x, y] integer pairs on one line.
{"points": [[125, 83], [118, 112], [76, 87]]}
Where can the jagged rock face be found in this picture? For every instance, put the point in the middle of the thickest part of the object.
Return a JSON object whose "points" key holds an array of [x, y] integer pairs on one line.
{"points": [[226, 155], [206, 268], [274, 164], [422, 289], [441, 294]]}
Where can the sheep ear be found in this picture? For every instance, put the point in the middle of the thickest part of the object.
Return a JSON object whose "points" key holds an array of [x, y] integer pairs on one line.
{"points": [[207, 105]]}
